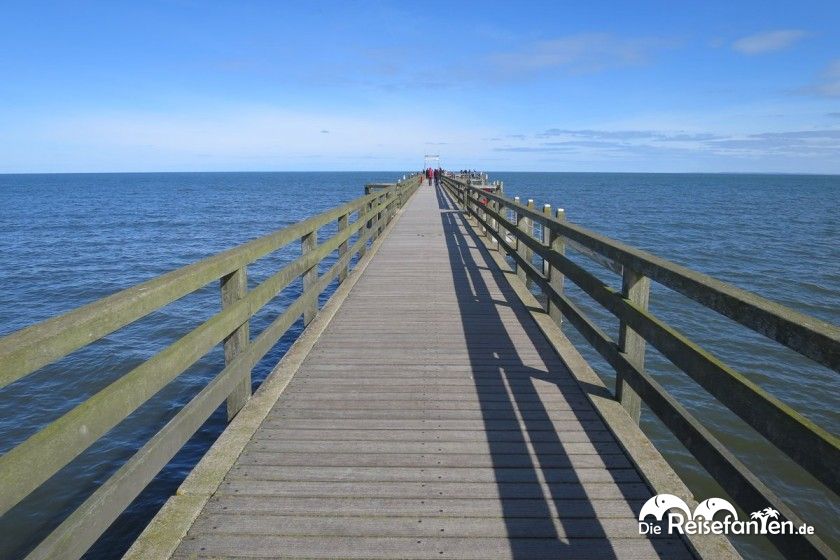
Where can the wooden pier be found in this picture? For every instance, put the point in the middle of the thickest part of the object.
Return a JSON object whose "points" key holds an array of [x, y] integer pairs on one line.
{"points": [[432, 409]]}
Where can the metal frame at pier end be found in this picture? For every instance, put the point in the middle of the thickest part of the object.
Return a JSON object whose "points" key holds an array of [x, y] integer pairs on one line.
{"points": [[809, 445], [27, 466]]}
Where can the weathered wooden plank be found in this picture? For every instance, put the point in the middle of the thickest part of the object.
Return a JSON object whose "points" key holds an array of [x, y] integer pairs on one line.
{"points": [[466, 384], [343, 222], [556, 243], [636, 289], [451, 460], [234, 287], [427, 400], [266, 546], [349, 434], [510, 424], [438, 507], [307, 245], [441, 474], [450, 527], [403, 414], [274, 445], [429, 403], [454, 371], [450, 490]]}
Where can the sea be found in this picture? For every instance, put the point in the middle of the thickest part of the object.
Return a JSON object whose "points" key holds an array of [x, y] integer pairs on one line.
{"points": [[70, 239]]}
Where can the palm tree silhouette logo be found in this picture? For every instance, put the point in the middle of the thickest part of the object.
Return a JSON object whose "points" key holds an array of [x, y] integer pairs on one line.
{"points": [[764, 515]]}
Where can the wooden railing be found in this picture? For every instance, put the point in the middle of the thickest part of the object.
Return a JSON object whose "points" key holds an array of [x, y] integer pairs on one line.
{"points": [[809, 445], [28, 465]]}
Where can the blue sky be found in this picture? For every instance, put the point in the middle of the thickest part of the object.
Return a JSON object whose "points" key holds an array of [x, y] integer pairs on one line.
{"points": [[587, 86]]}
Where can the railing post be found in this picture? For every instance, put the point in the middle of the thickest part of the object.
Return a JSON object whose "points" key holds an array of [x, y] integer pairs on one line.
{"points": [[374, 219], [501, 210], [497, 226], [636, 288], [482, 211], [363, 231], [494, 225], [525, 227], [529, 231], [395, 205], [516, 244], [466, 198], [476, 200], [378, 224], [234, 287], [343, 222], [307, 244], [556, 243]]}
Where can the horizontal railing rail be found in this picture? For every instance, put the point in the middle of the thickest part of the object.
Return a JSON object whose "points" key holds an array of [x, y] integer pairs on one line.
{"points": [[31, 463], [808, 444]]}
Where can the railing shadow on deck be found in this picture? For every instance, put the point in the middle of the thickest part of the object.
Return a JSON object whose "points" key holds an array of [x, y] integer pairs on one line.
{"points": [[811, 446], [540, 518]]}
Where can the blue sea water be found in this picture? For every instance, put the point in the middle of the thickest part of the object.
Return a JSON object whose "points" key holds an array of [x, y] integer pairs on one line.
{"points": [[67, 240]]}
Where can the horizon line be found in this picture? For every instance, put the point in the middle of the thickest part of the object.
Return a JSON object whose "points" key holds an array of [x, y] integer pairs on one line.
{"points": [[8, 173]]}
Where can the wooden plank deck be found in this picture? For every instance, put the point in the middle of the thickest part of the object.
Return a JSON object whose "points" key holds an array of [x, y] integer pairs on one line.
{"points": [[431, 420]]}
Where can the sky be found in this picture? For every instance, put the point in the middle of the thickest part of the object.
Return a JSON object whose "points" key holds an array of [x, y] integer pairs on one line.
{"points": [[713, 86]]}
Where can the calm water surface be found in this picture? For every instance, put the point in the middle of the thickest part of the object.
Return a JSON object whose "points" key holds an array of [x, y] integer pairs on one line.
{"points": [[66, 240]]}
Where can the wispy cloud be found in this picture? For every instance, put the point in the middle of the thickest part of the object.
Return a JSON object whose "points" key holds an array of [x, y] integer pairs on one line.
{"points": [[828, 84], [805, 144], [582, 53], [768, 41], [678, 136], [802, 135]]}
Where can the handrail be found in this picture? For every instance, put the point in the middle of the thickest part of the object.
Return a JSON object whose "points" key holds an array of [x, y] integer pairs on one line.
{"points": [[811, 337], [812, 447], [28, 465], [28, 349]]}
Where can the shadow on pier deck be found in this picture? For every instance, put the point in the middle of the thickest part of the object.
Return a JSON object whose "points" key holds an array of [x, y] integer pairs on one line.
{"points": [[431, 419]]}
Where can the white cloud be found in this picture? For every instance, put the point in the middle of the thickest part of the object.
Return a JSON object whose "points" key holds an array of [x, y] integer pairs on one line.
{"points": [[769, 41], [829, 83], [806, 148], [583, 53]]}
